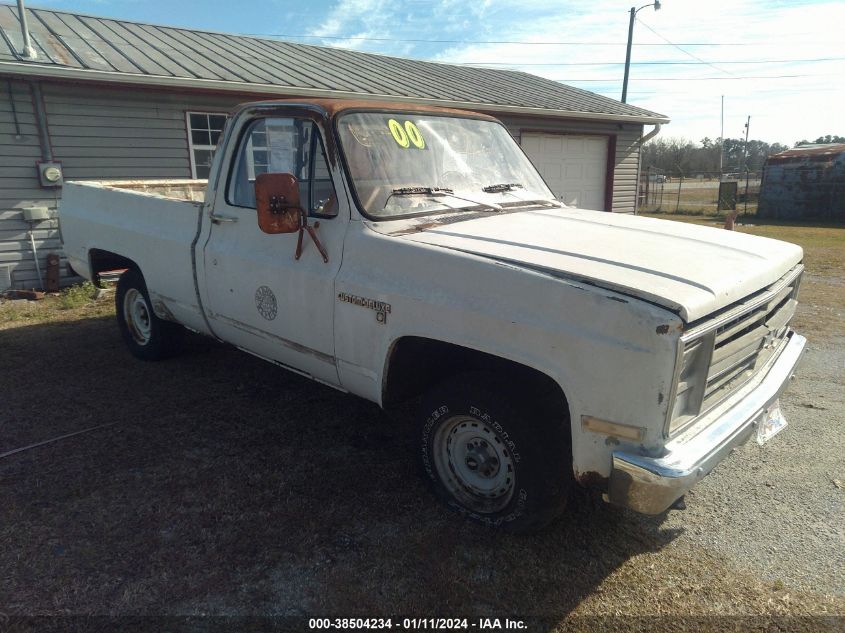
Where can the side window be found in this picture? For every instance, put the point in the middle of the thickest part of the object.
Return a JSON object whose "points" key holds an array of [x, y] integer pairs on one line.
{"points": [[282, 145]]}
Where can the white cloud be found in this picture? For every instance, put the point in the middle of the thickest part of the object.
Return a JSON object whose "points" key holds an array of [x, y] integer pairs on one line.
{"points": [[358, 24], [347, 11], [783, 109]]}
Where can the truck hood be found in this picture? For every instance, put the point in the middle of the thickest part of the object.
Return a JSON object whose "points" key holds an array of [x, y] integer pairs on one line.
{"points": [[689, 269]]}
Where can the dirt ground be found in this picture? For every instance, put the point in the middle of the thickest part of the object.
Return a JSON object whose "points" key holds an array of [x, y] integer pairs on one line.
{"points": [[228, 487]]}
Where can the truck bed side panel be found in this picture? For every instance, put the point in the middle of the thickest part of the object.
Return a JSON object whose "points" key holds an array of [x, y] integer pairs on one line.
{"points": [[153, 231]]}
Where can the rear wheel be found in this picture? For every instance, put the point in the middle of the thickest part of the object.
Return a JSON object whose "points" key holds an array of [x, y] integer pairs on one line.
{"points": [[498, 457], [146, 336]]}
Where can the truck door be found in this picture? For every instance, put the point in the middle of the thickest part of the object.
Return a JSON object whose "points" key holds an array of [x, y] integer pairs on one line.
{"points": [[257, 295]]}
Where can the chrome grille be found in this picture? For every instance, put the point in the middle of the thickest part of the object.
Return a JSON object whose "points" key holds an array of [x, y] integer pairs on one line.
{"points": [[745, 342], [743, 338]]}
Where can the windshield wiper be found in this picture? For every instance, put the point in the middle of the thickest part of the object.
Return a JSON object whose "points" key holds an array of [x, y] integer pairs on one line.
{"points": [[502, 187], [510, 187], [419, 191], [436, 192]]}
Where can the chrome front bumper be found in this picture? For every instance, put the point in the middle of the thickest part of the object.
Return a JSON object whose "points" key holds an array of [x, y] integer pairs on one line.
{"points": [[652, 484]]}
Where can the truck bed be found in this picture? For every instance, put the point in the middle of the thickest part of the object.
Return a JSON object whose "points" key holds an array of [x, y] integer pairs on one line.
{"points": [[151, 223]]}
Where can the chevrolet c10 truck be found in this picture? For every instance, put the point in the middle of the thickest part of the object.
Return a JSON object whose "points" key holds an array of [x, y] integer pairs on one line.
{"points": [[394, 252]]}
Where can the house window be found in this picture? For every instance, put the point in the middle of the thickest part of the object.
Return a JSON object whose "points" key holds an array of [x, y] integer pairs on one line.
{"points": [[204, 130], [257, 152]]}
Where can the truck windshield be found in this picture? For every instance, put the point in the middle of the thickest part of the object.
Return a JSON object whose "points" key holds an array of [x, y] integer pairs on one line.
{"points": [[446, 163]]}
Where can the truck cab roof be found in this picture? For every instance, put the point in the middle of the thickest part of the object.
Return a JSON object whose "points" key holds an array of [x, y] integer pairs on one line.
{"points": [[332, 107]]}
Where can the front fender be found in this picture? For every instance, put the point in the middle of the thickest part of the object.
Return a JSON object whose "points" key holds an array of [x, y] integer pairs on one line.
{"points": [[613, 356]]}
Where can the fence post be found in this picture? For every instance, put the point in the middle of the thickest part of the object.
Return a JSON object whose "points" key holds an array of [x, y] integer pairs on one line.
{"points": [[745, 207], [680, 183]]}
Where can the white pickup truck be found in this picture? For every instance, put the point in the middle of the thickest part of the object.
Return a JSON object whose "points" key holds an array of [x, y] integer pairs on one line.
{"points": [[393, 251]]}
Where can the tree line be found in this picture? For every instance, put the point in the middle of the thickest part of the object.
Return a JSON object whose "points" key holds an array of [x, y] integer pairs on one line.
{"points": [[683, 157]]}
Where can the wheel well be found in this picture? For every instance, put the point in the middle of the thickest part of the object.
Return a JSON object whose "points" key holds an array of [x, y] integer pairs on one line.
{"points": [[106, 261], [416, 364]]}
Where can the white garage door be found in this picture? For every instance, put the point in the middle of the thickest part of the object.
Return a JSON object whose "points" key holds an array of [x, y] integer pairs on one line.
{"points": [[575, 167]]}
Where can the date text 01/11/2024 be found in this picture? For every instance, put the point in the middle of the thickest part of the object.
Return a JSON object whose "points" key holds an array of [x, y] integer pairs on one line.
{"points": [[417, 624]]}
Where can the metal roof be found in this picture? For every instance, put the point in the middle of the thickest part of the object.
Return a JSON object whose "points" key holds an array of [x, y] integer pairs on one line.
{"points": [[810, 151], [83, 47]]}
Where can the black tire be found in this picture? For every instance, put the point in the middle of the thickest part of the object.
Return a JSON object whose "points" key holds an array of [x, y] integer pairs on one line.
{"points": [[499, 457], [146, 336]]}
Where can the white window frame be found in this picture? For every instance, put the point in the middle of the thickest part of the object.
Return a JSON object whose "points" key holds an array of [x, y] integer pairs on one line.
{"points": [[189, 132]]}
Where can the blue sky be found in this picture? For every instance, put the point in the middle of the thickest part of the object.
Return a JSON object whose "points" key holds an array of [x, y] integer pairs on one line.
{"points": [[781, 62]]}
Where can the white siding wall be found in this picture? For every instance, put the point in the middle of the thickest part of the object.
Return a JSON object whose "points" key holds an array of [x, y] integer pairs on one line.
{"points": [[19, 188], [97, 133], [120, 133], [625, 168]]}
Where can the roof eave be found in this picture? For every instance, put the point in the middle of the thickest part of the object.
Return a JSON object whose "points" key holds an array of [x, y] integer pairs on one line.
{"points": [[50, 72]]}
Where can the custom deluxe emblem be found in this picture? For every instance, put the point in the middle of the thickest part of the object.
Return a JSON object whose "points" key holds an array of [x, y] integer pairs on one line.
{"points": [[381, 308], [265, 301]]}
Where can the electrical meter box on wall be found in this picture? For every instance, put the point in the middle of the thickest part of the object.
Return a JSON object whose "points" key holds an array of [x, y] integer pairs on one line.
{"points": [[50, 173], [37, 214]]}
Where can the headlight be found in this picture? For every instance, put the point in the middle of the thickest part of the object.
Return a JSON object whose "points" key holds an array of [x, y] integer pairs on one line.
{"points": [[694, 363]]}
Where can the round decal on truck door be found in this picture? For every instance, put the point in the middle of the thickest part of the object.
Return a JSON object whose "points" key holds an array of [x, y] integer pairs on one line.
{"points": [[265, 301]]}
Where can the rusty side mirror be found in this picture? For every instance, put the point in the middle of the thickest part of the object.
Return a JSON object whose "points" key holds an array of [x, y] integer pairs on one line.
{"points": [[278, 204]]}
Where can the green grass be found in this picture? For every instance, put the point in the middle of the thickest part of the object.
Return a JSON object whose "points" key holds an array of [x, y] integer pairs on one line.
{"points": [[14, 313], [73, 302], [809, 235], [821, 307], [77, 295]]}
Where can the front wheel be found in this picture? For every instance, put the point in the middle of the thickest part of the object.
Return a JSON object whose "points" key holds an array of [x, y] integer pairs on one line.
{"points": [[146, 336], [498, 457]]}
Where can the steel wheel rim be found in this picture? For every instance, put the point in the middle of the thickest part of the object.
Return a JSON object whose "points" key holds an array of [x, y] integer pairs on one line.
{"points": [[474, 464], [137, 315]]}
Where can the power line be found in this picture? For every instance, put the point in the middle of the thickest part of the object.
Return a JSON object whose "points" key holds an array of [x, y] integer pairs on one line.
{"points": [[611, 91], [685, 52], [703, 78], [825, 87], [657, 63], [524, 43]]}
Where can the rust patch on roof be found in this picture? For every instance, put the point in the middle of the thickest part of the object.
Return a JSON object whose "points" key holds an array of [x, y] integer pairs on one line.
{"points": [[809, 152], [61, 53]]}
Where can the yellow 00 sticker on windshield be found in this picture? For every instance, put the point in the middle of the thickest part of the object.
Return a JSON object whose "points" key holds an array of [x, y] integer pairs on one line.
{"points": [[404, 136], [414, 134], [398, 133]]}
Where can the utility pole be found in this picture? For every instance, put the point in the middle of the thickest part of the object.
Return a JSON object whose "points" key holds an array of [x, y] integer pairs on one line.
{"points": [[745, 161], [628, 55], [730, 220], [722, 141], [634, 10], [745, 147]]}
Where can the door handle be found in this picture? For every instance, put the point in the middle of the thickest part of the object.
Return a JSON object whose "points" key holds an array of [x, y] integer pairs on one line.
{"points": [[221, 219]]}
